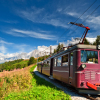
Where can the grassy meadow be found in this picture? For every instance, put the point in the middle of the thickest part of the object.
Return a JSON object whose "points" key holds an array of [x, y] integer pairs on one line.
{"points": [[14, 81], [23, 84]]}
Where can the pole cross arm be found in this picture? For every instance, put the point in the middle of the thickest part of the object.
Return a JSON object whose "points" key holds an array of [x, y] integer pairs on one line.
{"points": [[79, 24], [85, 32]]}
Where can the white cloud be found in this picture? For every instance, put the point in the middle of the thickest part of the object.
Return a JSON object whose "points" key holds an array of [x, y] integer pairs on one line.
{"points": [[2, 49], [24, 33], [5, 47], [74, 14], [91, 40], [71, 42], [8, 55], [4, 42], [77, 40], [37, 15], [22, 48], [94, 20], [46, 48], [59, 9]]}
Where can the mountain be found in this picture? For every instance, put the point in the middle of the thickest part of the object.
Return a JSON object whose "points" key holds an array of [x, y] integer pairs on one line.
{"points": [[22, 56], [36, 53]]}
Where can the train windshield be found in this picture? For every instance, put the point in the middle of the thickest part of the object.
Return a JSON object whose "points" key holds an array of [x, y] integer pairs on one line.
{"points": [[89, 56]]}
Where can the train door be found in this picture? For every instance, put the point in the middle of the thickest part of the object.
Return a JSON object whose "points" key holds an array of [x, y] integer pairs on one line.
{"points": [[71, 68], [51, 67]]}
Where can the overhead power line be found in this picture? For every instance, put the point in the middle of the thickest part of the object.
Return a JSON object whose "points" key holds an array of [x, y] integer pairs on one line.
{"points": [[84, 20], [78, 18]]}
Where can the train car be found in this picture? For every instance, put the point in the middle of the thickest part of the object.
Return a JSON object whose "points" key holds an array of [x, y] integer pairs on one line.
{"points": [[39, 68], [78, 66]]}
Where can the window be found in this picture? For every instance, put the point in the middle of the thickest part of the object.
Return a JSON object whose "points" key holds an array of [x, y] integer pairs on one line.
{"points": [[65, 60], [48, 63], [89, 56], [45, 64], [59, 61], [99, 54], [71, 58], [55, 62]]}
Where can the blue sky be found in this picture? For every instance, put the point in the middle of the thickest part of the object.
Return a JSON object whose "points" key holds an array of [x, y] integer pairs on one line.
{"points": [[27, 24]]}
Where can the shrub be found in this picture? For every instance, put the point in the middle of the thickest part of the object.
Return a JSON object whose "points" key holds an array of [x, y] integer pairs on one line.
{"points": [[31, 61], [24, 65], [8, 68], [7, 80], [18, 66]]}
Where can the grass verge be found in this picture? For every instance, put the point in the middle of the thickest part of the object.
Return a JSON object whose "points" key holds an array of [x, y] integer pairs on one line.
{"points": [[40, 90], [14, 81]]}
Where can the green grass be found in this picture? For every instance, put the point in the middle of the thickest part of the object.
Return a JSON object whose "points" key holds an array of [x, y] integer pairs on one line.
{"points": [[40, 90], [22, 63]]}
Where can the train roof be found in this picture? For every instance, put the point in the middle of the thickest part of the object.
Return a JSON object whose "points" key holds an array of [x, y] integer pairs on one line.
{"points": [[80, 46], [84, 46]]}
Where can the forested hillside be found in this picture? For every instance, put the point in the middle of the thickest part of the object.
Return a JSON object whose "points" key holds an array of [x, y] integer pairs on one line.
{"points": [[16, 64]]}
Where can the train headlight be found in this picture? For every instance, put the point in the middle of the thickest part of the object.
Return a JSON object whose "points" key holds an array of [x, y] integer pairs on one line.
{"points": [[98, 47], [83, 66]]}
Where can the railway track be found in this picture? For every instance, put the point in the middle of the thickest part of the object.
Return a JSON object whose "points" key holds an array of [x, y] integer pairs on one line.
{"points": [[88, 96], [63, 87]]}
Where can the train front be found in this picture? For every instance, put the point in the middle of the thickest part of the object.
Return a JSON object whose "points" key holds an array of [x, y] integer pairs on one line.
{"points": [[88, 69]]}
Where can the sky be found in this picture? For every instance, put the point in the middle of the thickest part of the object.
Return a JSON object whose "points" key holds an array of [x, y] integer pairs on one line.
{"points": [[26, 25]]}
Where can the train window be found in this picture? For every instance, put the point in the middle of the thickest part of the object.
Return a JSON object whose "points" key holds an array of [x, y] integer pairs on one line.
{"points": [[99, 54], [48, 63], [45, 64], [89, 56], [65, 60], [71, 58], [55, 62], [59, 61]]}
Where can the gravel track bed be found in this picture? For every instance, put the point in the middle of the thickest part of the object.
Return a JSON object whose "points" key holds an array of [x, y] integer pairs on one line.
{"points": [[74, 96]]}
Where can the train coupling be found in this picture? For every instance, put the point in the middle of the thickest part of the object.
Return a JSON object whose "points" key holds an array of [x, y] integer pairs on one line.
{"points": [[93, 86]]}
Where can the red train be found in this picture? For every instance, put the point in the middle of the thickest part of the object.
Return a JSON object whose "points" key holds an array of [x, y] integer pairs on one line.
{"points": [[78, 66]]}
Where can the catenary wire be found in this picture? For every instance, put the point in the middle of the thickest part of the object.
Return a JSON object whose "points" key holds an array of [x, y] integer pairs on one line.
{"points": [[84, 20], [78, 18]]}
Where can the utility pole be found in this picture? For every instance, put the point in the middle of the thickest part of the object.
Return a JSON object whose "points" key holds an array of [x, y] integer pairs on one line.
{"points": [[45, 54], [50, 50]]}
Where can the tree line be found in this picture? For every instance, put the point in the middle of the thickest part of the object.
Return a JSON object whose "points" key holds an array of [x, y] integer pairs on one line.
{"points": [[16, 64], [96, 42]]}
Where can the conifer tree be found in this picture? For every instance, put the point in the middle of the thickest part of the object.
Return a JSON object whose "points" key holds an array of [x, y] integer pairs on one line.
{"points": [[86, 41], [97, 40], [59, 47]]}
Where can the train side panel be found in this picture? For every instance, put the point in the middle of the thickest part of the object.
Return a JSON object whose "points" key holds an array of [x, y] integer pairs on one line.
{"points": [[72, 68], [46, 68], [61, 73], [39, 67], [46, 71]]}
